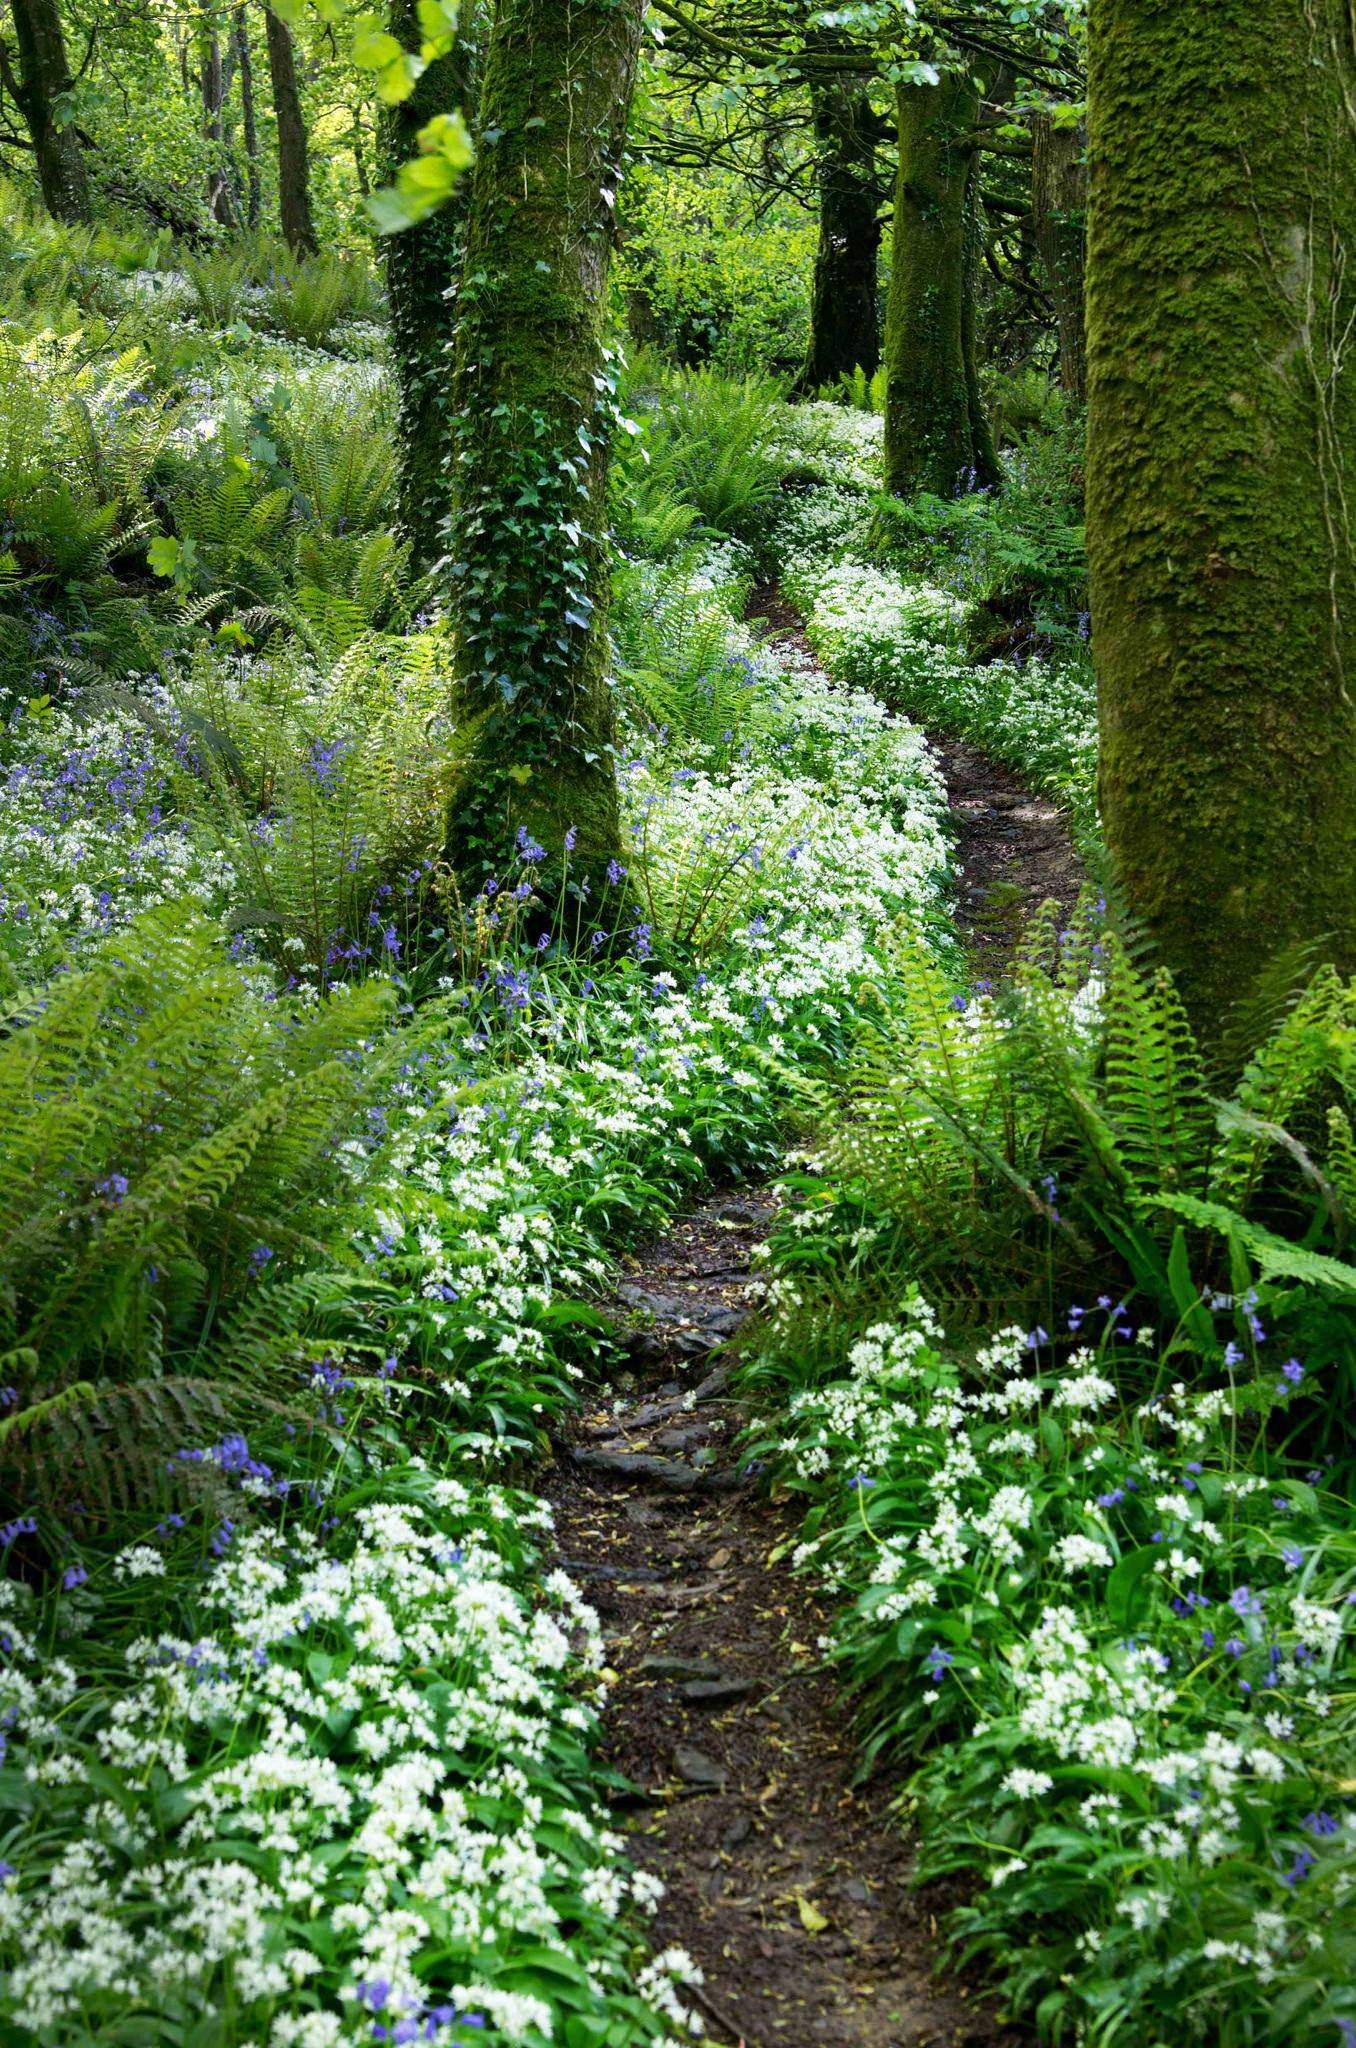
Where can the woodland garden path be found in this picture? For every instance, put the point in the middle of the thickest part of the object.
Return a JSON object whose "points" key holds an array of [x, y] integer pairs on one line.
{"points": [[786, 1879]]}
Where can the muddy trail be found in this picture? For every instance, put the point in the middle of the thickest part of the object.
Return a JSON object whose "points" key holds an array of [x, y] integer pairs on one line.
{"points": [[1013, 848], [788, 1883]]}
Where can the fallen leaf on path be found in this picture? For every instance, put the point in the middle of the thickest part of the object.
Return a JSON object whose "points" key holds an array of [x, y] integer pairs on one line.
{"points": [[811, 1919]]}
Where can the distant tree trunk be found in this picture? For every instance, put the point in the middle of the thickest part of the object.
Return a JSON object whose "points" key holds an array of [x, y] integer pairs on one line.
{"points": [[294, 174], [1059, 207], [423, 264], [249, 123], [844, 322], [533, 404], [987, 474], [934, 433], [43, 75], [213, 100], [1222, 409]]}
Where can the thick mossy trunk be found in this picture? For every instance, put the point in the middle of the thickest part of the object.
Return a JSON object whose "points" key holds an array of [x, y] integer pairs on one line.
{"points": [[423, 264], [533, 411], [934, 433], [1059, 210], [36, 86], [294, 170], [1222, 406], [844, 320]]}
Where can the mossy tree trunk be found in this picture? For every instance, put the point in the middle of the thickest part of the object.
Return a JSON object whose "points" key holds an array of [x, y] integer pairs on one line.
{"points": [[294, 169], [423, 264], [1222, 410], [1059, 209], [934, 431], [36, 83], [844, 317], [533, 404]]}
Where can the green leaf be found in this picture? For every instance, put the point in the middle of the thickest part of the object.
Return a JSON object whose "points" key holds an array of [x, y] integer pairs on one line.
{"points": [[1125, 1585]]}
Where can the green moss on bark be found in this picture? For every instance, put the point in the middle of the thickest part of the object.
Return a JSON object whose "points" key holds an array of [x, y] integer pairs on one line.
{"points": [[533, 404], [844, 316], [935, 439], [1221, 281]]}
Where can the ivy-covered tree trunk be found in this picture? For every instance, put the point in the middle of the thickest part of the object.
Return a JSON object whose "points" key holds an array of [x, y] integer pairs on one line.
{"points": [[1059, 208], [534, 406], [36, 85], [294, 170], [1222, 405], [934, 435], [423, 264], [844, 320]]}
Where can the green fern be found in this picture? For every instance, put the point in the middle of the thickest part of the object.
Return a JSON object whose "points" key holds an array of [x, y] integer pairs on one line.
{"points": [[161, 1122]]}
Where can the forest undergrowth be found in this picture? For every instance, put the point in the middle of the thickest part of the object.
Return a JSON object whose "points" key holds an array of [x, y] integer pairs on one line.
{"points": [[319, 1162]]}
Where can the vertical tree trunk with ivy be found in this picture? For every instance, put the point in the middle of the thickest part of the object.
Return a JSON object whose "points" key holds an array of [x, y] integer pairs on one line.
{"points": [[533, 405], [935, 438], [423, 263], [37, 77], [844, 321], [294, 170], [1222, 416], [1059, 208]]}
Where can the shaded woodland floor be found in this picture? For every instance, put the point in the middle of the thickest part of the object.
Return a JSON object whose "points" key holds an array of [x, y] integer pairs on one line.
{"points": [[785, 1878], [786, 1881]]}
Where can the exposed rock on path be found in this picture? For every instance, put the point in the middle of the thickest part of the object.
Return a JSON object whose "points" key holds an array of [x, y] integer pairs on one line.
{"points": [[786, 1882]]}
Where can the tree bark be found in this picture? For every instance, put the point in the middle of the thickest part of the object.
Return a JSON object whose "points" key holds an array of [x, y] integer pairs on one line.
{"points": [[1222, 405], [43, 75], [844, 321], [423, 264], [213, 100], [934, 432], [294, 175], [534, 406], [248, 119], [1059, 207]]}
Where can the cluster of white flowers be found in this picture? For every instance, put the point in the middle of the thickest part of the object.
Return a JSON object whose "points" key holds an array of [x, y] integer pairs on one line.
{"points": [[900, 638], [366, 1716], [88, 835]]}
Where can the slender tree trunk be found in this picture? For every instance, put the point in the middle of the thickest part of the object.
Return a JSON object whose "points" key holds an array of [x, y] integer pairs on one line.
{"points": [[534, 405], [248, 120], [1059, 208], [294, 175], [844, 322], [1222, 411], [986, 472], [934, 434], [423, 264], [36, 87], [213, 100]]}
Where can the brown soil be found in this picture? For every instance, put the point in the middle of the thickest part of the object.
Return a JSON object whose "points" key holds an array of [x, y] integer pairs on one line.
{"points": [[788, 1882], [1013, 849], [1013, 853]]}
